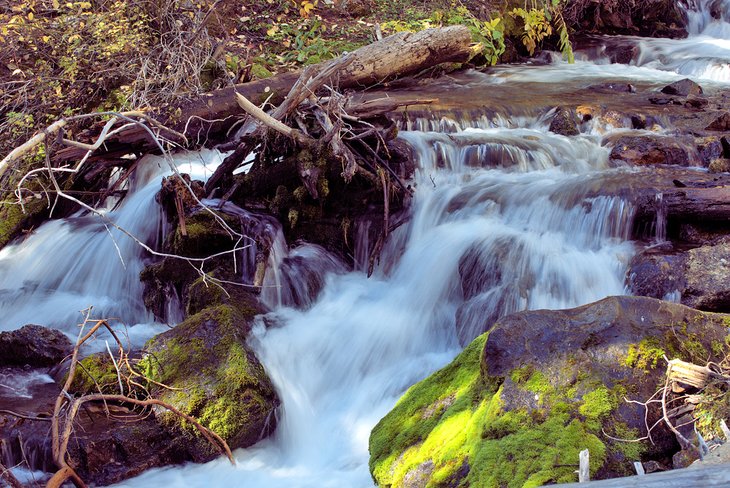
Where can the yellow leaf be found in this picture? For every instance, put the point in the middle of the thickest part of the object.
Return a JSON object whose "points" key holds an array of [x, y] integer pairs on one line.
{"points": [[58, 91], [273, 30], [46, 38], [30, 15], [56, 4]]}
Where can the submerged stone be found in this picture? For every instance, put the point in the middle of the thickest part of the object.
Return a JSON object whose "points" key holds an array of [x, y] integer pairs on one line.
{"points": [[649, 151]]}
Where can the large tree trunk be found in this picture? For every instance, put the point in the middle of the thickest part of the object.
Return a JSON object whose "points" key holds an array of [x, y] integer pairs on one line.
{"points": [[207, 120]]}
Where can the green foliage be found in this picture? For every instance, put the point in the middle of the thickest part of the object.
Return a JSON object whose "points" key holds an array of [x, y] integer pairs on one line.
{"points": [[488, 33], [536, 26], [540, 21], [305, 42]]}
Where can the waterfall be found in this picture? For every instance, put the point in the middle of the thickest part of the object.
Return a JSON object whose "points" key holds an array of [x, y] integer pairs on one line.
{"points": [[70, 264], [501, 221], [505, 217]]}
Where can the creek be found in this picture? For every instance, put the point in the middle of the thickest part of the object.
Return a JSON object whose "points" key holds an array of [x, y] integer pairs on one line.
{"points": [[505, 217]]}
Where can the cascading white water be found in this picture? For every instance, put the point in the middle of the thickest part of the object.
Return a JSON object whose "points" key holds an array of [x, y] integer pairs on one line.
{"points": [[703, 54], [501, 221], [68, 265], [341, 364]]}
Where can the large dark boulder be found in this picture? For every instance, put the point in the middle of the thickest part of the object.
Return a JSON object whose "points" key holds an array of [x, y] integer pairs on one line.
{"points": [[33, 345], [519, 403]]}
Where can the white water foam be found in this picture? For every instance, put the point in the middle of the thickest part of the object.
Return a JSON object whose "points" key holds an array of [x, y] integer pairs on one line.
{"points": [[70, 264], [340, 365]]}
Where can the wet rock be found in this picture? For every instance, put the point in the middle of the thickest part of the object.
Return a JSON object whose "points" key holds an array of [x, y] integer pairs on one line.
{"points": [[653, 467], [649, 150], [699, 277], [708, 278], [622, 53], [721, 123], [719, 165], [685, 457], [564, 122], [33, 345], [683, 88], [170, 278], [709, 148], [664, 101], [217, 378], [541, 379], [586, 112], [103, 450], [696, 101], [638, 122], [108, 451], [657, 273]]}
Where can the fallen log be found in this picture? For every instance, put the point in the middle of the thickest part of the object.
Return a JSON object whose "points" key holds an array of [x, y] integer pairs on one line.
{"points": [[208, 119]]}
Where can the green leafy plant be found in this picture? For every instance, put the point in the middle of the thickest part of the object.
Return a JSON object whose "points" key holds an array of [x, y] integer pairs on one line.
{"points": [[539, 22]]}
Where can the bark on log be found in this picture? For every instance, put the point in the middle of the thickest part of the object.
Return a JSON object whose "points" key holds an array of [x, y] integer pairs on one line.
{"points": [[398, 55]]}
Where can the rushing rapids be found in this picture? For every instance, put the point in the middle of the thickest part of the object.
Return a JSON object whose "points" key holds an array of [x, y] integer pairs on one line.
{"points": [[505, 217]]}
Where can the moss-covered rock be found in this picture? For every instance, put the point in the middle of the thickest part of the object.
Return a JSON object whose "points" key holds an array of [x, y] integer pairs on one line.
{"points": [[214, 376], [204, 236], [521, 401]]}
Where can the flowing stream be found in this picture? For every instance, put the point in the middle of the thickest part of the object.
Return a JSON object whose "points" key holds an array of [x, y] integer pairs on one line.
{"points": [[502, 220]]}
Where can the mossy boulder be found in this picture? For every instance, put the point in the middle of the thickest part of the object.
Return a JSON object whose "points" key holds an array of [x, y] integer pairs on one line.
{"points": [[213, 376], [204, 236], [521, 401]]}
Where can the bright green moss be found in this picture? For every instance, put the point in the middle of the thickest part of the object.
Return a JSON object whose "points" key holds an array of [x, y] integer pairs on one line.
{"points": [[215, 378], [513, 448], [645, 355], [95, 373], [597, 403]]}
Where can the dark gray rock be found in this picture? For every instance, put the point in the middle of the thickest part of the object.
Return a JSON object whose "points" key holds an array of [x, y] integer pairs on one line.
{"points": [[700, 276], [707, 273], [657, 273], [33, 345], [683, 88]]}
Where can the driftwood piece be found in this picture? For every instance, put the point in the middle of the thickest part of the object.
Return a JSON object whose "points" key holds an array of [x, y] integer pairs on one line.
{"points": [[584, 474], [706, 477], [307, 84]]}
